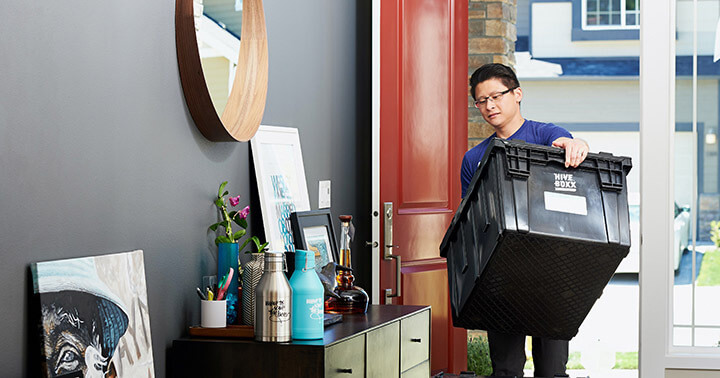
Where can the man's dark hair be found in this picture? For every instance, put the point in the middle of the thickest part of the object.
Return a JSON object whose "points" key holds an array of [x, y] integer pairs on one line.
{"points": [[493, 71]]}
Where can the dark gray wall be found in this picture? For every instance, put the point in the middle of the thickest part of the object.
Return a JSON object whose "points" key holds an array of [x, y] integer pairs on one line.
{"points": [[98, 152]]}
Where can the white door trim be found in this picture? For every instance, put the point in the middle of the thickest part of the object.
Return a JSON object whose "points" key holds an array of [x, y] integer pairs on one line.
{"points": [[657, 119], [375, 182]]}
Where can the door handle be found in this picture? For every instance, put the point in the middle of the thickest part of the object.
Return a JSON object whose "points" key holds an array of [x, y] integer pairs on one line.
{"points": [[387, 252]]}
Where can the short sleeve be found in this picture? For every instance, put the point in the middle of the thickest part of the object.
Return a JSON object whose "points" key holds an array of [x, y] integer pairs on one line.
{"points": [[466, 174], [551, 132]]}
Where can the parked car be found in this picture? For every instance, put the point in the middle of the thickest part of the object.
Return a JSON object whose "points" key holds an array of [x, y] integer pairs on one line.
{"points": [[631, 264]]}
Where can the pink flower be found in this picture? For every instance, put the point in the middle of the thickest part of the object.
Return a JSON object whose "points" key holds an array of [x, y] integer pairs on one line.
{"points": [[234, 201], [244, 212]]}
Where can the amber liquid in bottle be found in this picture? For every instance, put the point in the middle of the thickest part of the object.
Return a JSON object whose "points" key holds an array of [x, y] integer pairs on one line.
{"points": [[353, 299]]}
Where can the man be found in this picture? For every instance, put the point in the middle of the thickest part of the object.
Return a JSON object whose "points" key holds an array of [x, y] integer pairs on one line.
{"points": [[497, 94]]}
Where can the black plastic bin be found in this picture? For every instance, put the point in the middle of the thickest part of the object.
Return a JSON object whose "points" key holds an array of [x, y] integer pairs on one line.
{"points": [[533, 243]]}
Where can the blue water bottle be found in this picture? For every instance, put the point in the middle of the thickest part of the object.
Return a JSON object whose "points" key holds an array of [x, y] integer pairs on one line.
{"points": [[307, 302]]}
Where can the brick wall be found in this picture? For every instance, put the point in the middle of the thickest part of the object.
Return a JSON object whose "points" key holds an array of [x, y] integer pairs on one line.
{"points": [[492, 38]]}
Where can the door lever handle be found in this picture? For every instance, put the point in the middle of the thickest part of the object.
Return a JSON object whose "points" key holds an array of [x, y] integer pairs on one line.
{"points": [[388, 255], [373, 244], [398, 280]]}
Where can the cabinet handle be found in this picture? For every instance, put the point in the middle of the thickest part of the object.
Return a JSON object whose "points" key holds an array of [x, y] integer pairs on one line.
{"points": [[349, 371], [416, 340]]}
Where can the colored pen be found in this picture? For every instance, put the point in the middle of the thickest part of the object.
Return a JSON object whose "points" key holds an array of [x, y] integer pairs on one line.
{"points": [[210, 295], [221, 283], [200, 294]]}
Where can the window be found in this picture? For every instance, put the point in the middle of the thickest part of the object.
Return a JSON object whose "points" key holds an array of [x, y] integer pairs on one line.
{"points": [[611, 14], [696, 179]]}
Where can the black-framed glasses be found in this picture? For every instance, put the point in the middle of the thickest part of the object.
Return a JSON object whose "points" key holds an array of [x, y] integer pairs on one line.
{"points": [[494, 98]]}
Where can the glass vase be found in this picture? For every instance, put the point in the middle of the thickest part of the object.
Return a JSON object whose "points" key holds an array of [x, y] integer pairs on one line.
{"points": [[228, 255], [252, 271]]}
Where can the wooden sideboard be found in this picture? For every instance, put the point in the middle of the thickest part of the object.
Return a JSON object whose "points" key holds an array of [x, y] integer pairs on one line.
{"points": [[387, 341]]}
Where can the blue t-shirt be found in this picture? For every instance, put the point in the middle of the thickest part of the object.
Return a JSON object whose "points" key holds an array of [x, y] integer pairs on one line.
{"points": [[530, 131]]}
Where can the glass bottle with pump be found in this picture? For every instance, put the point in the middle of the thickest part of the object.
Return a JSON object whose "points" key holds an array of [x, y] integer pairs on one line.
{"points": [[351, 299]]}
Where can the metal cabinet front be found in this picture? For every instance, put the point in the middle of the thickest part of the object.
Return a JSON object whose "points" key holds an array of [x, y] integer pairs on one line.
{"points": [[346, 359], [419, 371], [383, 351], [414, 340]]}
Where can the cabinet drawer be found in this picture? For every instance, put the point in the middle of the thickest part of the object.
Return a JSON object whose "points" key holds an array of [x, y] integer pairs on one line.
{"points": [[383, 351], [414, 340], [420, 371], [346, 359]]}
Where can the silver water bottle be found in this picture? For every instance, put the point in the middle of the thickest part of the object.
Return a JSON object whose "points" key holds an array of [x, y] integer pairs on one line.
{"points": [[273, 302]]}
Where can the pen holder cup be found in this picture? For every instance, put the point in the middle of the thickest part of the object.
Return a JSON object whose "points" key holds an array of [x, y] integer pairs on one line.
{"points": [[212, 314]]}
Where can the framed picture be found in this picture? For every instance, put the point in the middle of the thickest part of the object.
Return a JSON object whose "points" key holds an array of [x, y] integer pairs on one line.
{"points": [[281, 182], [313, 231], [94, 316]]}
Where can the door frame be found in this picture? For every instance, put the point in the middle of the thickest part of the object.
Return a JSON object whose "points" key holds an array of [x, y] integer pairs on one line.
{"points": [[657, 151], [657, 91], [375, 155]]}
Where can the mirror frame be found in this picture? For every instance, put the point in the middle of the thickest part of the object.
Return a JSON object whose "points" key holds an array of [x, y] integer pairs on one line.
{"points": [[246, 103]]}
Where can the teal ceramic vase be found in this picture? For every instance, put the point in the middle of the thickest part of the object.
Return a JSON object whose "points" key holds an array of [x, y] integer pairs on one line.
{"points": [[228, 255]]}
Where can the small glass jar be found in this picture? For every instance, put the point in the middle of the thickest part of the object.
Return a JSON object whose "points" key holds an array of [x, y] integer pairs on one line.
{"points": [[351, 299]]}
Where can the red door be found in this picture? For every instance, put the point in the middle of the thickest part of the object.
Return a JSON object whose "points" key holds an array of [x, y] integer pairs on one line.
{"points": [[423, 136]]}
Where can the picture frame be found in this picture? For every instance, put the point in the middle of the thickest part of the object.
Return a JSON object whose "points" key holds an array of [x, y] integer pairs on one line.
{"points": [[314, 231], [282, 187]]}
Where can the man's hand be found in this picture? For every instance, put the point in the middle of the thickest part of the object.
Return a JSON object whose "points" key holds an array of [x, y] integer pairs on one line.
{"points": [[576, 150]]}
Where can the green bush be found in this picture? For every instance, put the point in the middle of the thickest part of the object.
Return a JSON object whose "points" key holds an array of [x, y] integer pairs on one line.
{"points": [[479, 355], [715, 232], [626, 360]]}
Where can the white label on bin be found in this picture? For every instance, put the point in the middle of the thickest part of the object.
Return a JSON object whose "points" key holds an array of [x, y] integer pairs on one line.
{"points": [[565, 203]]}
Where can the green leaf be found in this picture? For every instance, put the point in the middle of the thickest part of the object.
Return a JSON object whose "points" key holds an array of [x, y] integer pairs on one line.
{"points": [[240, 222], [245, 244], [222, 239], [214, 226], [219, 202], [239, 234], [260, 247], [222, 187], [224, 194]]}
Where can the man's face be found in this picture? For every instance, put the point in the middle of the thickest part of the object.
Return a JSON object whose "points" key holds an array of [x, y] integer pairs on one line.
{"points": [[497, 109]]}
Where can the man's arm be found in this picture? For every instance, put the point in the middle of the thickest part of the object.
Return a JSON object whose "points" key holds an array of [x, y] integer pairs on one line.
{"points": [[576, 150], [466, 174]]}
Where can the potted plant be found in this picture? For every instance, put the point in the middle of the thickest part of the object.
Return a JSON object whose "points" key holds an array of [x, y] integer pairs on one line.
{"points": [[228, 245]]}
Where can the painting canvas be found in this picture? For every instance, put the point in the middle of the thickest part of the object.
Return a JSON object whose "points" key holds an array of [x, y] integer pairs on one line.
{"points": [[94, 319], [281, 182]]}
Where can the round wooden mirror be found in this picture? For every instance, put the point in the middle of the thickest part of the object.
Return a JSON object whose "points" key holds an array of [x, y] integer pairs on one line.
{"points": [[228, 109]]}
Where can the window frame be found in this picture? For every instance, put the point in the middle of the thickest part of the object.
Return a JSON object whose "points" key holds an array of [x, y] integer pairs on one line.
{"points": [[595, 34], [623, 15]]}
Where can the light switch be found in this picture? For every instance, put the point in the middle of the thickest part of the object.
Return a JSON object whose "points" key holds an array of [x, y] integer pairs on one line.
{"points": [[324, 195]]}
